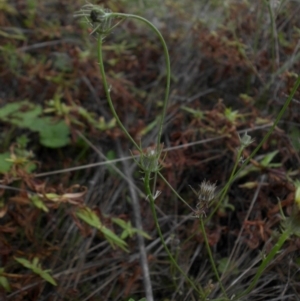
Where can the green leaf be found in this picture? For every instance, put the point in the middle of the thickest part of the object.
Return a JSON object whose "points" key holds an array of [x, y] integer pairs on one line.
{"points": [[24, 262], [114, 239], [90, 217], [268, 158], [128, 229], [4, 282], [38, 203], [21, 114], [30, 167], [36, 268], [4, 164], [9, 109], [143, 233], [46, 276], [54, 135], [119, 222], [25, 114], [197, 113]]}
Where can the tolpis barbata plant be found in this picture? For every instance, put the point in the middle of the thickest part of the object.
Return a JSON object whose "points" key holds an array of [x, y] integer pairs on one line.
{"points": [[101, 21]]}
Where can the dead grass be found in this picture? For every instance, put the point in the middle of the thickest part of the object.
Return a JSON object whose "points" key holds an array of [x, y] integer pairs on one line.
{"points": [[223, 72]]}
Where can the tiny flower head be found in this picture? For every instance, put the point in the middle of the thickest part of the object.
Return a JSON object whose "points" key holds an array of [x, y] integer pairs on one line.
{"points": [[150, 160], [205, 195], [206, 192], [245, 140]]}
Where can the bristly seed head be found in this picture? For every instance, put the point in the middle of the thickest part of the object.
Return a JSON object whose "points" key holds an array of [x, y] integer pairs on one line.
{"points": [[205, 195], [207, 191], [99, 18]]}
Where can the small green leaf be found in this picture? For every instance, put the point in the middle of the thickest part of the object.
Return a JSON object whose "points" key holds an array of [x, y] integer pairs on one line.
{"points": [[27, 264], [268, 158], [197, 113], [22, 141], [119, 222], [90, 217], [37, 202], [55, 135], [9, 109], [36, 268], [46, 276], [128, 229], [4, 282], [114, 239], [4, 164], [143, 233]]}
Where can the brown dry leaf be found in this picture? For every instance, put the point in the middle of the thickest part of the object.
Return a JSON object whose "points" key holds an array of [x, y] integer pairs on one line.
{"points": [[75, 198]]}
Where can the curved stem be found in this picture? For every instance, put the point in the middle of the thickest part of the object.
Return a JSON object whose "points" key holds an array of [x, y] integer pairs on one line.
{"points": [[168, 74], [107, 92], [168, 67]]}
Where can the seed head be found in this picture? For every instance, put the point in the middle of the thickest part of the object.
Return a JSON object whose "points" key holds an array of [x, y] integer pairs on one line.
{"points": [[205, 195], [97, 17], [207, 191]]}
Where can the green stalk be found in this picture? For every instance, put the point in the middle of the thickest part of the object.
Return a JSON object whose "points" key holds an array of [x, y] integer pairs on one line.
{"points": [[283, 237], [168, 74], [168, 66], [246, 162], [211, 257], [173, 261], [106, 89], [273, 32]]}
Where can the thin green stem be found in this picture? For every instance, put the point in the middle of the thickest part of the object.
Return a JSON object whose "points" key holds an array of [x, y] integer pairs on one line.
{"points": [[174, 191], [168, 75], [211, 257], [168, 67], [173, 261], [273, 33], [283, 237], [225, 189], [107, 92], [246, 162]]}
